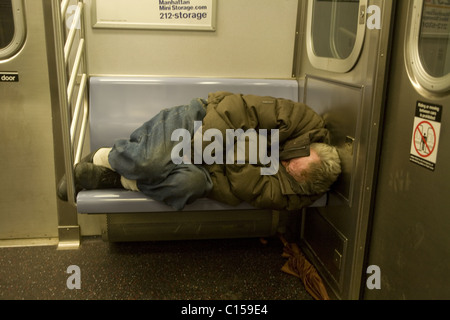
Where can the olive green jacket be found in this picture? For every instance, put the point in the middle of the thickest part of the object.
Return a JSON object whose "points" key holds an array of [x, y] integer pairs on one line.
{"points": [[298, 126]]}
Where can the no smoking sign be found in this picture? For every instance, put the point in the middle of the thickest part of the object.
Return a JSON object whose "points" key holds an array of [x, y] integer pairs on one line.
{"points": [[425, 138]]}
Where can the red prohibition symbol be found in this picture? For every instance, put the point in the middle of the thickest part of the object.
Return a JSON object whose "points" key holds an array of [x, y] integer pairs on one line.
{"points": [[423, 139]]}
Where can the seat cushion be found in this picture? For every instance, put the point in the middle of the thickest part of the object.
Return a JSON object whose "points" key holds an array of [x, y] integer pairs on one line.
{"points": [[119, 105]]}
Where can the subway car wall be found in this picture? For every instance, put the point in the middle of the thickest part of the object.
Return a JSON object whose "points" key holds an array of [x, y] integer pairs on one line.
{"points": [[376, 70], [28, 208]]}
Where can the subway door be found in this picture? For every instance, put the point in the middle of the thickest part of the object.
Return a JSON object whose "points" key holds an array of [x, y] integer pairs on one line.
{"points": [[341, 67], [410, 241], [28, 208]]}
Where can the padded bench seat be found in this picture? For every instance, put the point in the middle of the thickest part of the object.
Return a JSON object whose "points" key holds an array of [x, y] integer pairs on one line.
{"points": [[119, 105], [120, 201]]}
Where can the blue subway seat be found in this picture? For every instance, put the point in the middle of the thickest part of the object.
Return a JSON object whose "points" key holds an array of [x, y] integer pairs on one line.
{"points": [[119, 105]]}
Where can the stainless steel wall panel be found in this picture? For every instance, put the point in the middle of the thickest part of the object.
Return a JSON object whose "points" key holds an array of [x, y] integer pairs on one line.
{"points": [[410, 240], [341, 109], [352, 103], [27, 192]]}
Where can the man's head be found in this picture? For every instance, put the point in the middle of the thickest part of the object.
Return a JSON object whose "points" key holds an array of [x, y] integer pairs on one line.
{"points": [[316, 173]]}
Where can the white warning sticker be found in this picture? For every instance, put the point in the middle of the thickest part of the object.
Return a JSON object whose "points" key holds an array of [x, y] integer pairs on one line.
{"points": [[425, 137]]}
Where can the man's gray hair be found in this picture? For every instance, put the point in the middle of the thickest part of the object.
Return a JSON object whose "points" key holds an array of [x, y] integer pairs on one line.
{"points": [[320, 175]]}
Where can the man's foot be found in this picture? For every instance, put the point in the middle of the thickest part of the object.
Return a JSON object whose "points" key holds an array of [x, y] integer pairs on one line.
{"points": [[62, 185], [61, 191], [89, 176]]}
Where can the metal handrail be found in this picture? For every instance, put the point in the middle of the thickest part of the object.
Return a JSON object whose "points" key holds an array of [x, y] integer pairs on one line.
{"points": [[72, 32], [84, 126], [76, 112], [64, 5], [81, 100], [74, 74]]}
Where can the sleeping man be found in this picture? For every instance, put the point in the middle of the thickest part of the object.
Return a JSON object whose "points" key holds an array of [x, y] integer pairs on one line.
{"points": [[272, 153]]}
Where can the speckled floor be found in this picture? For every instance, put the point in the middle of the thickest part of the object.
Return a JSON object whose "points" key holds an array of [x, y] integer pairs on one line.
{"points": [[238, 269]]}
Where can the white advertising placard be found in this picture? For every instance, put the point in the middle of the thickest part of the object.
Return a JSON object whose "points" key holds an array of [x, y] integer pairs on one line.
{"points": [[436, 18], [155, 14]]}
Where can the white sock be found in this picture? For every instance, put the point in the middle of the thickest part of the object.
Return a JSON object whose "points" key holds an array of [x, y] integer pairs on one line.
{"points": [[101, 158], [129, 184]]}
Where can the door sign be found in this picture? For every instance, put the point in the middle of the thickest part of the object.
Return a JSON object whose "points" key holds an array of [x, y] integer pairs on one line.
{"points": [[425, 138]]}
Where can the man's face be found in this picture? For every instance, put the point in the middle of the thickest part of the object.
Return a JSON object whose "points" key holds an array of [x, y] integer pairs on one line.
{"points": [[296, 165]]}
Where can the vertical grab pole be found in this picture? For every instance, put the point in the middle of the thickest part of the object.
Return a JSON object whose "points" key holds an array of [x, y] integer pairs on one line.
{"points": [[63, 98], [68, 228]]}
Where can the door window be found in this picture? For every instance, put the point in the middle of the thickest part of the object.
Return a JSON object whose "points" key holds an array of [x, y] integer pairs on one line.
{"points": [[335, 33], [429, 45], [434, 44], [12, 27]]}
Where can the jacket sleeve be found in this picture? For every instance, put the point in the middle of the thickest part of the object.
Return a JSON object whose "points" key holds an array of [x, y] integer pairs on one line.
{"points": [[221, 190], [264, 191], [260, 191], [294, 120]]}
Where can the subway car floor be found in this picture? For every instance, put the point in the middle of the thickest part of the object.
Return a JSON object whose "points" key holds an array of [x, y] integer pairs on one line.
{"points": [[232, 269]]}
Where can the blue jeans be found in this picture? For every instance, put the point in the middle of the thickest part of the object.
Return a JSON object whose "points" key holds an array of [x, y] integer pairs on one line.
{"points": [[146, 158]]}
